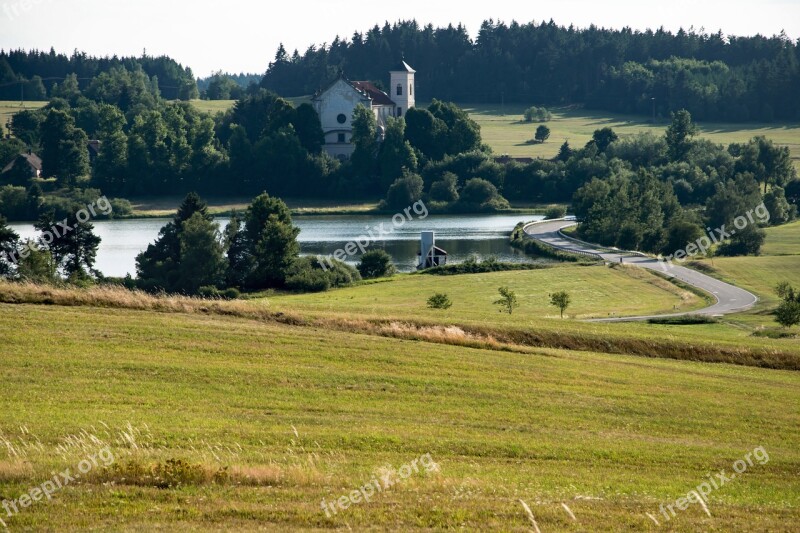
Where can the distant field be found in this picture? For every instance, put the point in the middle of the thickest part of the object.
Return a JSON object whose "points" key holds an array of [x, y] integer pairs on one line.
{"points": [[214, 106], [9, 108], [505, 132]]}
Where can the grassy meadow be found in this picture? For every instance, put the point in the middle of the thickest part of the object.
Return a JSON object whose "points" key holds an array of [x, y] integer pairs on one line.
{"points": [[598, 292], [269, 420], [505, 131]]}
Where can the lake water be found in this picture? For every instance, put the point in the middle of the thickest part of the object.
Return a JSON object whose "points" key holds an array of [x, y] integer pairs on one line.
{"points": [[460, 235]]}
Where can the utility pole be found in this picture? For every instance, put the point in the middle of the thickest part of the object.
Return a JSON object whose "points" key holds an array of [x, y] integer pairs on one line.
{"points": [[653, 99]]}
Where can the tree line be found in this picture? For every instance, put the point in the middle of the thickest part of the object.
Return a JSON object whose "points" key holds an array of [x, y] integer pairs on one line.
{"points": [[36, 74], [715, 77]]}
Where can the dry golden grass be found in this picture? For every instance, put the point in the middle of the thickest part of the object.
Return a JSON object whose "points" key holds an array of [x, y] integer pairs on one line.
{"points": [[570, 335]]}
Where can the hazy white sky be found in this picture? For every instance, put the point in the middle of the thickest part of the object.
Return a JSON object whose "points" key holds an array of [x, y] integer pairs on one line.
{"points": [[242, 36]]}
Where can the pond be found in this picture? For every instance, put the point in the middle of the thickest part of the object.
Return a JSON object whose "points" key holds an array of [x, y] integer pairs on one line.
{"points": [[461, 236]]}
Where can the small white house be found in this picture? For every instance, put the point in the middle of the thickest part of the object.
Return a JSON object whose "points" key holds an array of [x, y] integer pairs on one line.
{"points": [[336, 103]]}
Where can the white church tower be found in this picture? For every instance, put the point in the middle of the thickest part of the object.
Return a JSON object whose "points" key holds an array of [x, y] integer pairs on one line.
{"points": [[401, 87]]}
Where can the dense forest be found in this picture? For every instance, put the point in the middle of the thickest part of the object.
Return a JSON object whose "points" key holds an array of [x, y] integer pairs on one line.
{"points": [[712, 76], [37, 75]]}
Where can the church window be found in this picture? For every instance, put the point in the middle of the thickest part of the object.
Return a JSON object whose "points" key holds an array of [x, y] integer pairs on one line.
{"points": [[341, 138], [341, 119], [399, 90]]}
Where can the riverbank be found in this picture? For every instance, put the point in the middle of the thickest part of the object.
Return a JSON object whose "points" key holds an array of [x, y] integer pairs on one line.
{"points": [[167, 206]]}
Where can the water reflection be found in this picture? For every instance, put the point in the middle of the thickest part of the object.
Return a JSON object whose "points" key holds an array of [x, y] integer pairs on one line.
{"points": [[461, 235]]}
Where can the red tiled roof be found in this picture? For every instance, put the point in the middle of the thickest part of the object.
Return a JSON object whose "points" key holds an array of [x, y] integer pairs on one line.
{"points": [[378, 97]]}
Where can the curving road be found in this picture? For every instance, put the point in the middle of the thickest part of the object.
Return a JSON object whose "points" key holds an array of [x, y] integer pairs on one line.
{"points": [[730, 299]]}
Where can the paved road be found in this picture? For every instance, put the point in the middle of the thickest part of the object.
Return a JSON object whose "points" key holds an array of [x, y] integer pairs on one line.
{"points": [[730, 299]]}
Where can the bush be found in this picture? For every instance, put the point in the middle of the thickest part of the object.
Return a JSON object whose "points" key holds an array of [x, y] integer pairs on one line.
{"points": [[538, 114], [231, 294], [312, 274], [555, 212], [211, 292], [440, 301], [208, 291], [120, 207], [376, 264], [472, 266]]}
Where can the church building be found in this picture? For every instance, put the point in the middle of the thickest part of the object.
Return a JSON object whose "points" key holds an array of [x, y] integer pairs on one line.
{"points": [[336, 103]]}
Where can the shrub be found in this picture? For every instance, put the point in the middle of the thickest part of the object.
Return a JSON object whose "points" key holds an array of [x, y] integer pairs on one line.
{"points": [[312, 274], [120, 207], [440, 301], [472, 266], [554, 212], [231, 294], [208, 291], [211, 292], [376, 264], [538, 114]]}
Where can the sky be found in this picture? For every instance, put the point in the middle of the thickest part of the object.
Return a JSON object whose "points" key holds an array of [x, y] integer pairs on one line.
{"points": [[242, 36]]}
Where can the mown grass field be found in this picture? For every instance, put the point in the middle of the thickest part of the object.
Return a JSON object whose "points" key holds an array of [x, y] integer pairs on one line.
{"points": [[299, 414], [597, 292], [505, 131]]}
